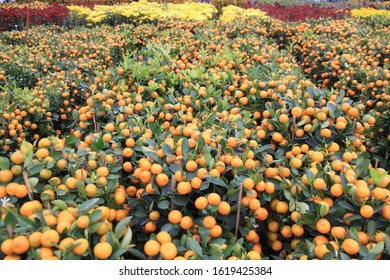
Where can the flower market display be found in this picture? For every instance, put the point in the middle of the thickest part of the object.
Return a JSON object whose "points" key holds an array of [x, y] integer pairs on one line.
{"points": [[192, 131]]}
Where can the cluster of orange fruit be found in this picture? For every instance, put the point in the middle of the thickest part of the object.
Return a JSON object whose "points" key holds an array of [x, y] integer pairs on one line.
{"points": [[192, 147]]}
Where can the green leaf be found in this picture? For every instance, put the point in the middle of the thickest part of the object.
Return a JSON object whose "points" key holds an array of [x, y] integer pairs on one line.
{"points": [[322, 210], [36, 169], [185, 147], [94, 227], [237, 250], [180, 200], [207, 157], [163, 204], [204, 235], [381, 177], [149, 153], [346, 205], [174, 167], [204, 186], [347, 188], [332, 109], [60, 192], [244, 155], [167, 150], [5, 164], [81, 188], [95, 215], [75, 115], [115, 255], [98, 145], [127, 238], [215, 249], [151, 143], [218, 181], [60, 204], [287, 194], [28, 148], [89, 204], [201, 144], [167, 227], [374, 174], [302, 207], [344, 180], [369, 257], [33, 181], [27, 221], [11, 219], [291, 203], [71, 140], [328, 256], [378, 248], [310, 176], [354, 218], [344, 256], [136, 253], [363, 251], [122, 223], [330, 247], [325, 124], [353, 234], [371, 227], [363, 166], [194, 245], [309, 218], [302, 122], [264, 148]]}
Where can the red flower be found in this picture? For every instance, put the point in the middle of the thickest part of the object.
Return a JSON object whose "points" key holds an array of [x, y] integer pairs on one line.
{"points": [[54, 14], [297, 13]]}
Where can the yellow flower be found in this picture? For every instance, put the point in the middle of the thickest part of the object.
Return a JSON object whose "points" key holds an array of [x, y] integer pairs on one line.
{"points": [[369, 12], [79, 11], [144, 10], [231, 12], [33, 5]]}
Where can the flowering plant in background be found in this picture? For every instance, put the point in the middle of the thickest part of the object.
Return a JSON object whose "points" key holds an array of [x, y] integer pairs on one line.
{"points": [[231, 12], [144, 10], [54, 14], [219, 4], [369, 12], [299, 12], [33, 5]]}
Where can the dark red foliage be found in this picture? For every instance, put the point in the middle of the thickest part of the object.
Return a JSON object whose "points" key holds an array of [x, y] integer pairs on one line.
{"points": [[298, 13], [54, 14]]}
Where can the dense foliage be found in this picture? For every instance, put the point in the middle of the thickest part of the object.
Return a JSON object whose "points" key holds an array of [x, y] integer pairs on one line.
{"points": [[244, 138]]}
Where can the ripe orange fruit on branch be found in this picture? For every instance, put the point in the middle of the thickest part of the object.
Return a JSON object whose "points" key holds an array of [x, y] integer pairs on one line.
{"points": [[20, 244], [366, 211], [48, 237], [201, 203], [175, 216], [323, 226], [168, 251], [102, 250], [152, 248], [81, 247], [350, 246], [163, 237], [209, 222], [17, 157]]}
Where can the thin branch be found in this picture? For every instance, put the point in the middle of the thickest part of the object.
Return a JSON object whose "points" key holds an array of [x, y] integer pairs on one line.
{"points": [[10, 231], [28, 16], [28, 185], [238, 210], [172, 188]]}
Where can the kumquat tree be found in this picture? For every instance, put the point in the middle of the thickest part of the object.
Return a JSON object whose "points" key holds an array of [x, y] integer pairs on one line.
{"points": [[192, 130]]}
